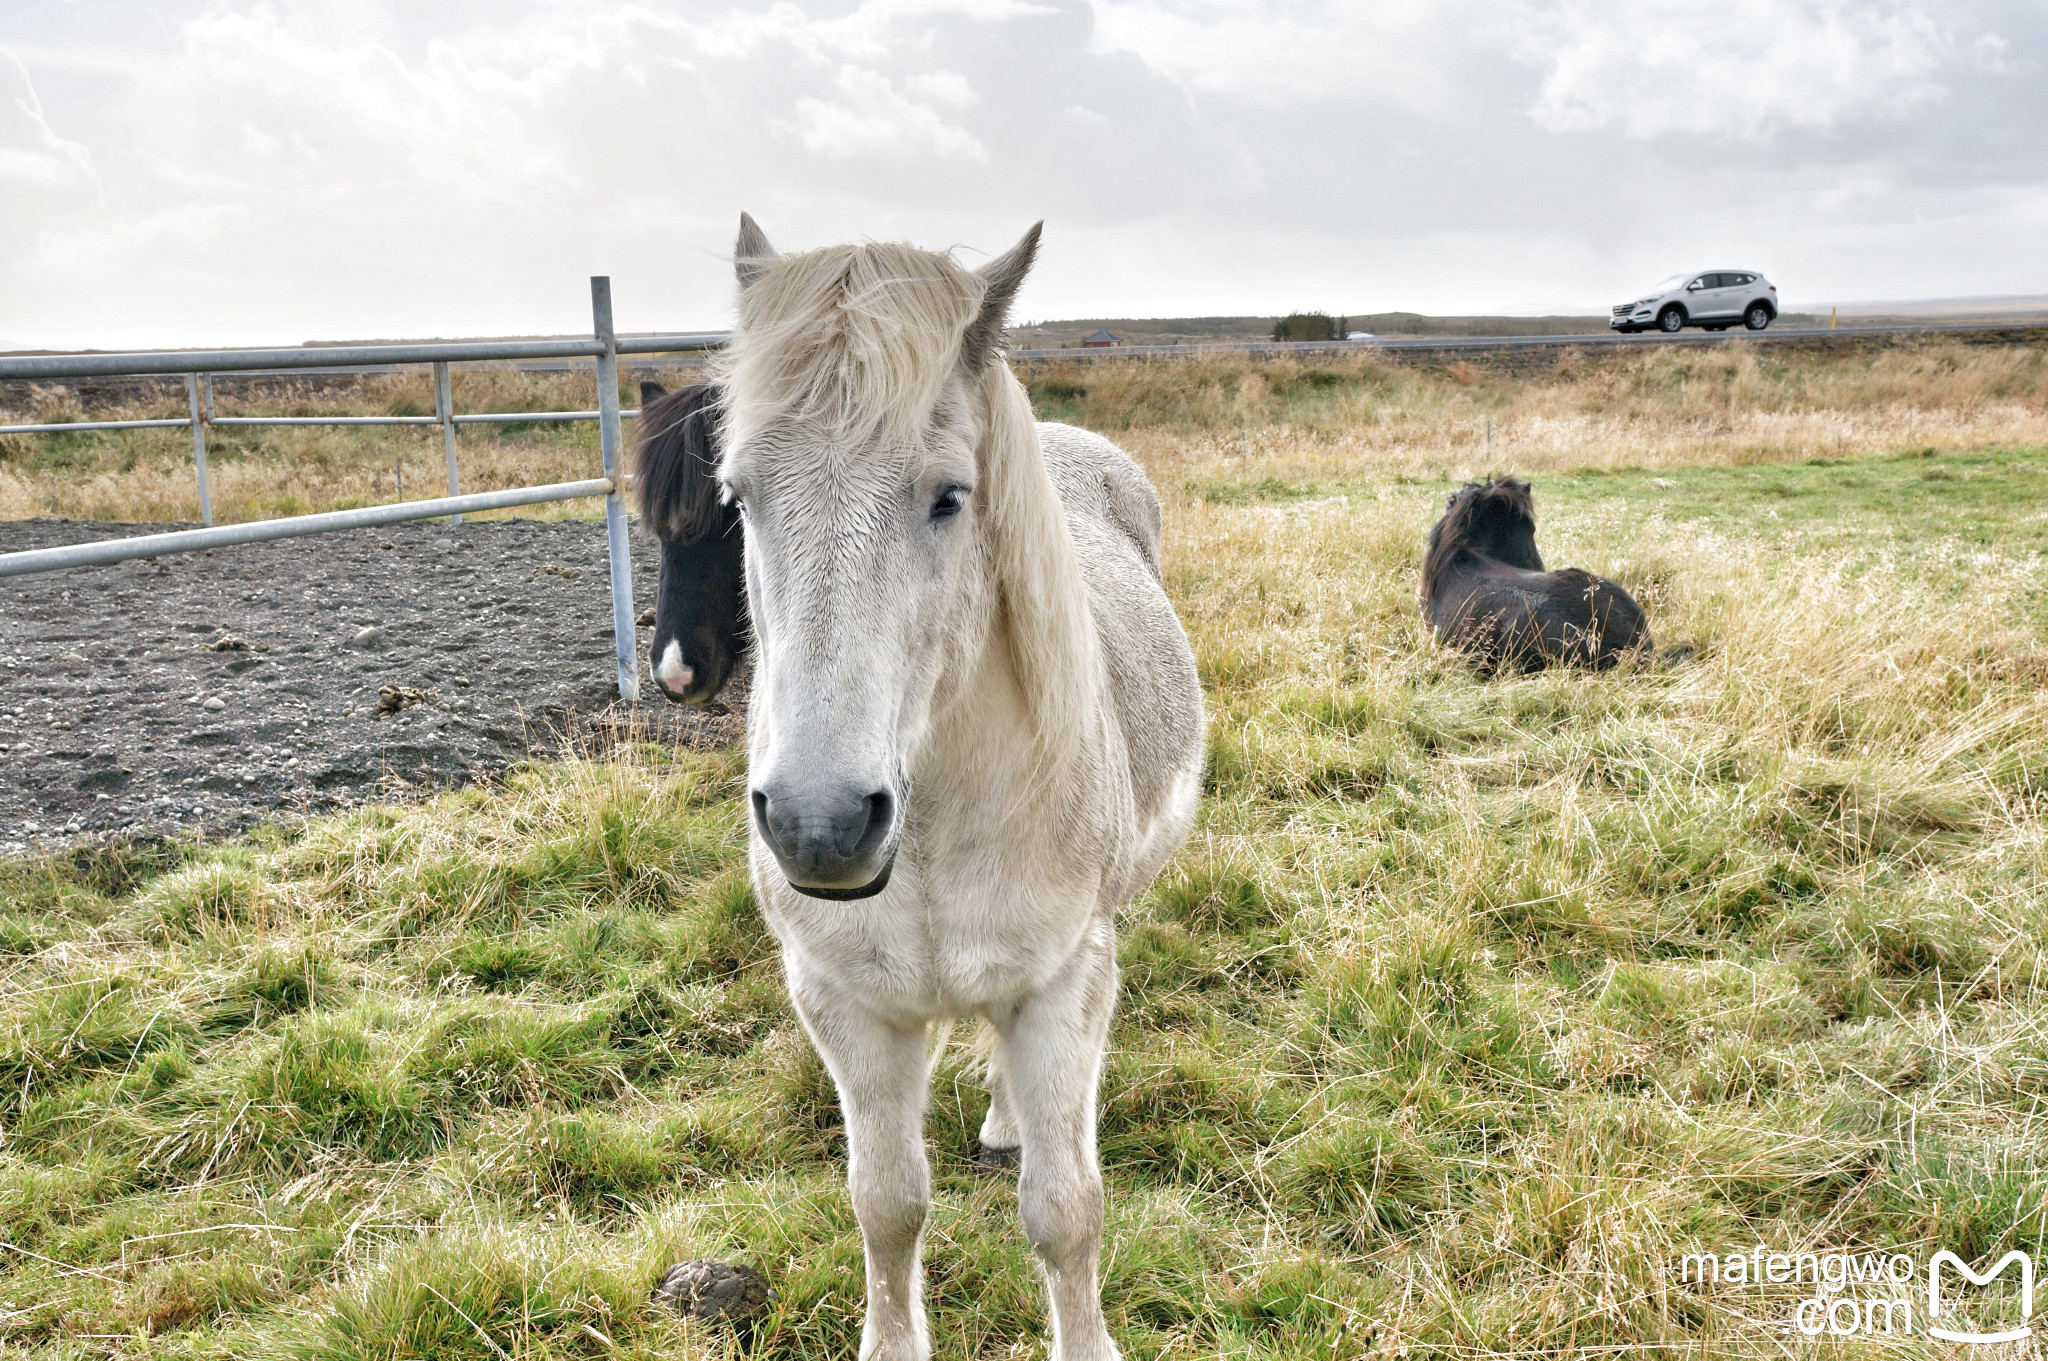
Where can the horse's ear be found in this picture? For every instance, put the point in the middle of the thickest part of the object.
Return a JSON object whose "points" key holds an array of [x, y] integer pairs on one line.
{"points": [[650, 390], [751, 254], [1003, 275]]}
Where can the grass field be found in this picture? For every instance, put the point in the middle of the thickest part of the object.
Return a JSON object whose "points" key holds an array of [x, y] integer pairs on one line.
{"points": [[1469, 1009], [1376, 414]]}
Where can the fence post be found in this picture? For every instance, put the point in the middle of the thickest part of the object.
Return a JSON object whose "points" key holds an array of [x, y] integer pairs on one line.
{"points": [[623, 637], [199, 444], [444, 407]]}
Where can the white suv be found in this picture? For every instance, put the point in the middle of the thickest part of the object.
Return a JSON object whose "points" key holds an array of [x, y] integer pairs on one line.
{"points": [[1714, 300]]}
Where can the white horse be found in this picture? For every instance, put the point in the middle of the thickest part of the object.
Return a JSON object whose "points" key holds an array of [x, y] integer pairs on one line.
{"points": [[976, 729]]}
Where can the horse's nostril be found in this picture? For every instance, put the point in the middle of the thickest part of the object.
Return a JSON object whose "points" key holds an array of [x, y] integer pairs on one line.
{"points": [[881, 807], [861, 834]]}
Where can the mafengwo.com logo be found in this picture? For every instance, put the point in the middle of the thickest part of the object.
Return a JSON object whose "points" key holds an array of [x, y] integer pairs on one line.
{"points": [[1871, 1294]]}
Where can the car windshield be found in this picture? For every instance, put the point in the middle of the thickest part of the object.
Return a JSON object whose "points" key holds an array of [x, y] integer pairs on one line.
{"points": [[1667, 285]]}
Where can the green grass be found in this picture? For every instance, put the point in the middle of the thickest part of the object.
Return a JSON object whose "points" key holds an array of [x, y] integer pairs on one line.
{"points": [[1991, 497], [1467, 1010]]}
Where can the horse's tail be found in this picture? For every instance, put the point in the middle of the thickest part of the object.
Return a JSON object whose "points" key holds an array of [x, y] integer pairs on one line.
{"points": [[937, 1034]]}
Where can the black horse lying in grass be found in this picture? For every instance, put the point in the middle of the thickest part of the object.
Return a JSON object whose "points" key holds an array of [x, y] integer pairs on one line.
{"points": [[700, 624], [1485, 590]]}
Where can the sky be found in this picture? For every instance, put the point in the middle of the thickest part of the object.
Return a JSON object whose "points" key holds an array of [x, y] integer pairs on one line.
{"points": [[241, 173]]}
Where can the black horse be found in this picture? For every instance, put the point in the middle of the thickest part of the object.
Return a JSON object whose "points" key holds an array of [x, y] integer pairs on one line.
{"points": [[700, 607], [1485, 590]]}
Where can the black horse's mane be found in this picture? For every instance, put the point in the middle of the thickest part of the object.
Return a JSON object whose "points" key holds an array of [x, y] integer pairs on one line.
{"points": [[1471, 524], [677, 461]]}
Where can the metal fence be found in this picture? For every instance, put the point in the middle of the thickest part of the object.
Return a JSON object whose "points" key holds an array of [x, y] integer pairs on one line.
{"points": [[199, 366]]}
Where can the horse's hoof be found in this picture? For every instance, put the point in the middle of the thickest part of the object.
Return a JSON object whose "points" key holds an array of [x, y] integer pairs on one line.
{"points": [[713, 1291], [991, 1159]]}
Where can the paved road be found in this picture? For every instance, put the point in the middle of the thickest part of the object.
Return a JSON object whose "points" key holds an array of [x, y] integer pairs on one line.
{"points": [[2013, 330], [2007, 331]]}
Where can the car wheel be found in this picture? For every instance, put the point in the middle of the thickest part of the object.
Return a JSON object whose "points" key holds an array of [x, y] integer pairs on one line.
{"points": [[1671, 320], [1757, 317]]}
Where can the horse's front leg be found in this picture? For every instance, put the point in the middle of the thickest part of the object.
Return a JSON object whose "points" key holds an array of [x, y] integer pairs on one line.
{"points": [[883, 1074], [1049, 1056]]}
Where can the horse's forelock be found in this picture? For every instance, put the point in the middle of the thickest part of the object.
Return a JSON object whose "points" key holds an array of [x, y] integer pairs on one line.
{"points": [[676, 459], [1460, 530], [858, 339], [1511, 494]]}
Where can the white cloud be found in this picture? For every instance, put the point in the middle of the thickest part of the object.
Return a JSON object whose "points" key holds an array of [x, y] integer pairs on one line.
{"points": [[1281, 52], [277, 169], [869, 116], [41, 174], [943, 87], [1743, 68]]}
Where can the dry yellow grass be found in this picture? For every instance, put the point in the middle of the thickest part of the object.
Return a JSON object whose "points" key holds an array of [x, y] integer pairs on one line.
{"points": [[1732, 406], [259, 473], [1381, 415]]}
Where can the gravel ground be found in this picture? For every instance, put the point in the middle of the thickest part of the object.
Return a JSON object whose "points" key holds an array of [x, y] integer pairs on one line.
{"points": [[208, 691]]}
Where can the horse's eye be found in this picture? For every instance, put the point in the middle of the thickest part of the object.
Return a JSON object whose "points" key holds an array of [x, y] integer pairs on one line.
{"points": [[948, 503]]}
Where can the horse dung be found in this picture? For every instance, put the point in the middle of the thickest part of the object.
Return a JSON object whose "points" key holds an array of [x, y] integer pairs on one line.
{"points": [[710, 1292]]}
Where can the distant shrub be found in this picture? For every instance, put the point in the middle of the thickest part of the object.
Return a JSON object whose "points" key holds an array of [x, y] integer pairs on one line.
{"points": [[1307, 326]]}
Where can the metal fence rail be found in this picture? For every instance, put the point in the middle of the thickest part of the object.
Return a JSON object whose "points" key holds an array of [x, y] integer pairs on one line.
{"points": [[198, 367], [180, 423], [102, 551]]}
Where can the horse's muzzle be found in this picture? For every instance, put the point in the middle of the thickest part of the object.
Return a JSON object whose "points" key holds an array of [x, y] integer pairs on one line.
{"points": [[693, 677], [835, 843]]}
